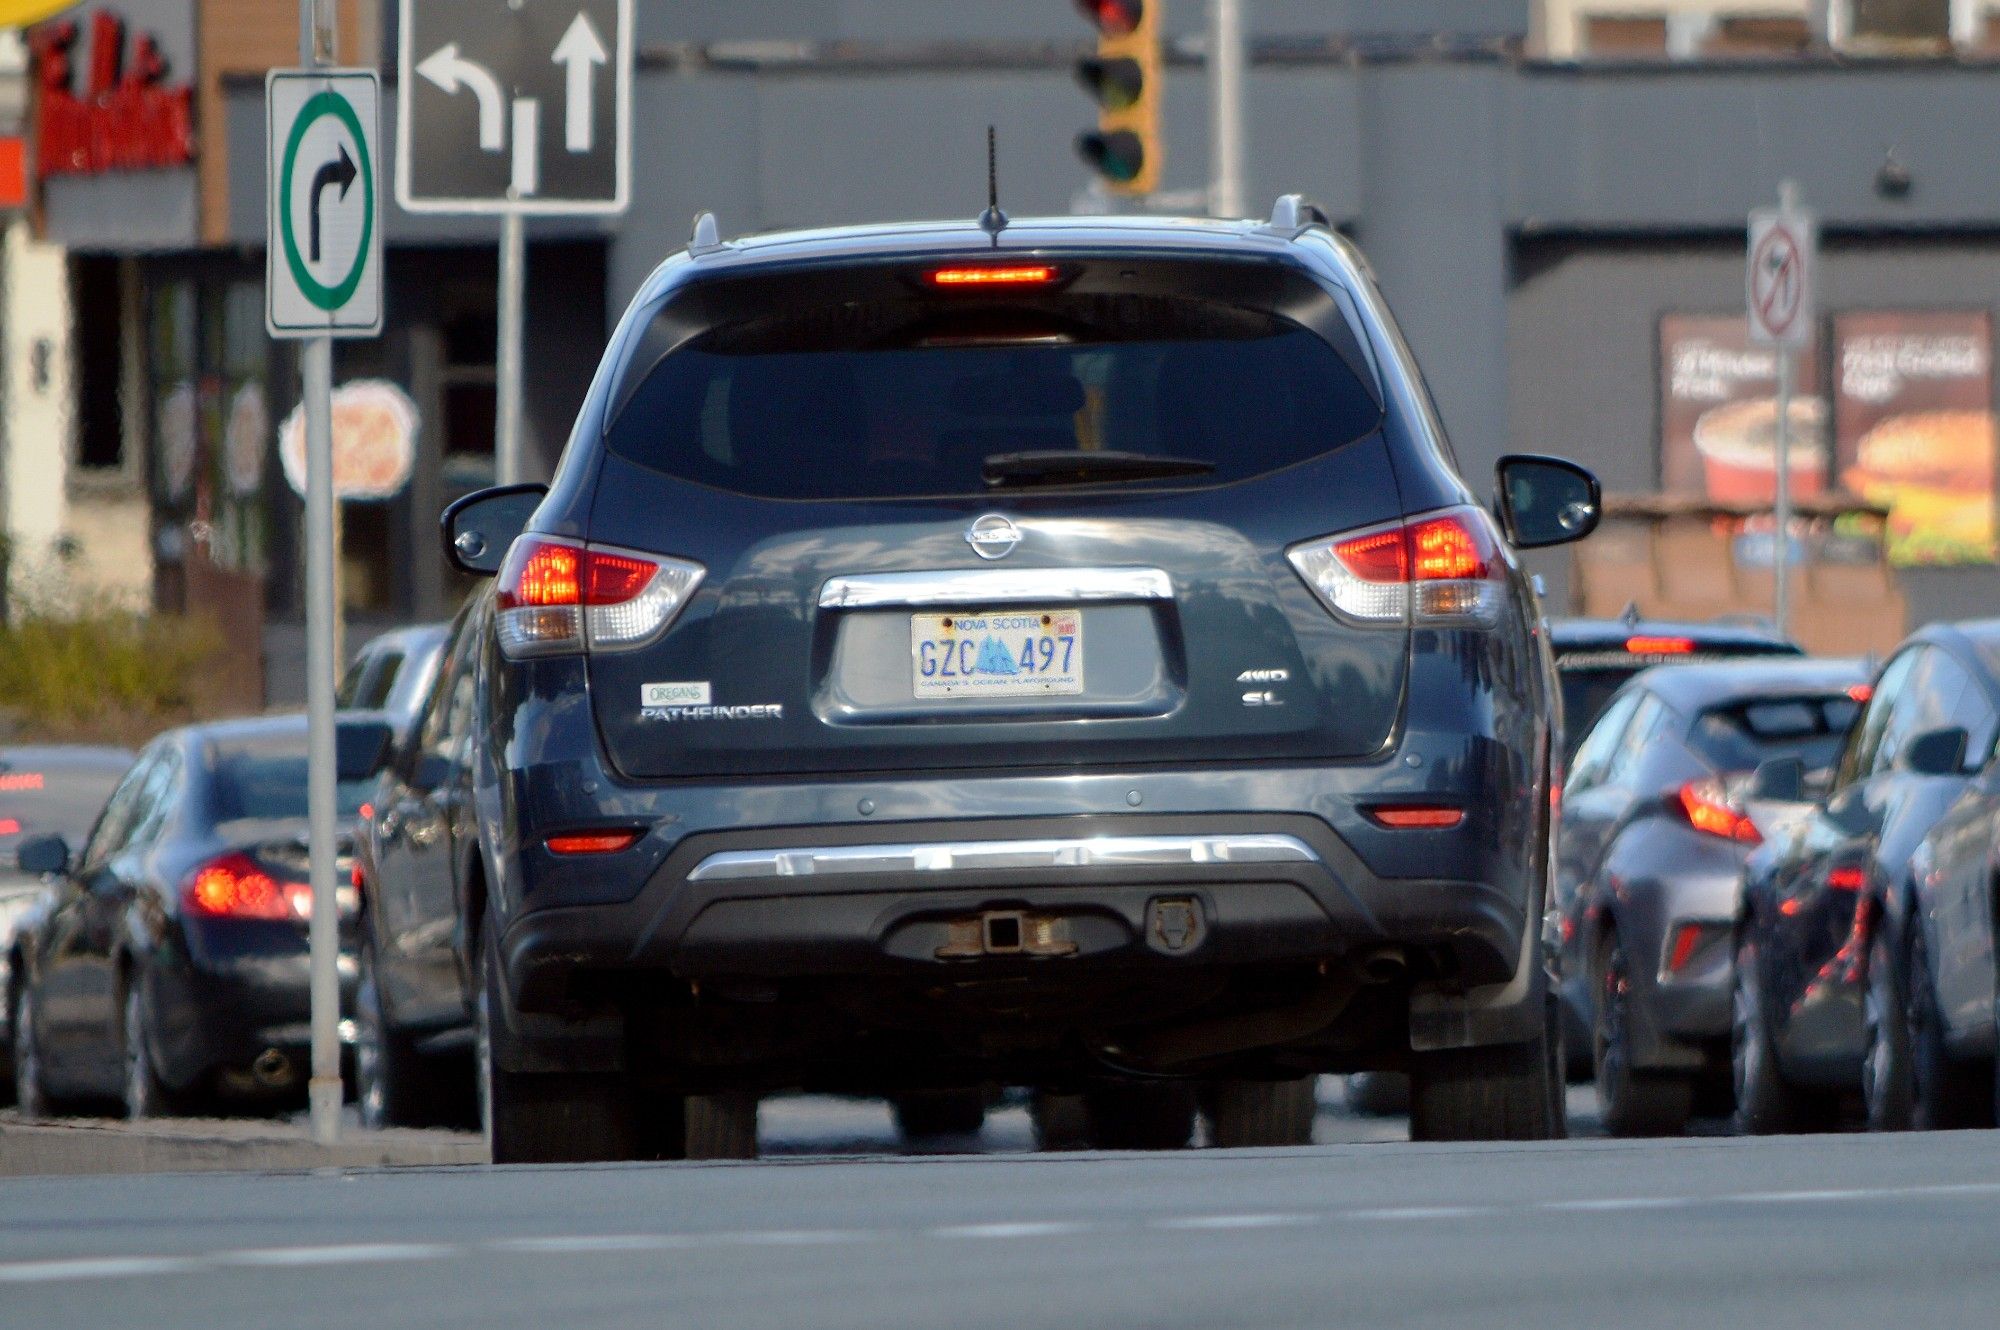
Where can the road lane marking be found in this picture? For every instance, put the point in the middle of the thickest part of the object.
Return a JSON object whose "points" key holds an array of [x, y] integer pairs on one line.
{"points": [[1030, 1229], [1199, 1223], [97, 1267], [1415, 1212], [1615, 1203], [360, 1253], [603, 1242]]}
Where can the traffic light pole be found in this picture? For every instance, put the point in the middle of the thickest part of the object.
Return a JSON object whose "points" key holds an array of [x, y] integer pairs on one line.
{"points": [[323, 935], [1225, 91]]}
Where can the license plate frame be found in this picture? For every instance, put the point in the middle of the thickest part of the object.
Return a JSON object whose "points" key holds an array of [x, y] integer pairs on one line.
{"points": [[1007, 654]]}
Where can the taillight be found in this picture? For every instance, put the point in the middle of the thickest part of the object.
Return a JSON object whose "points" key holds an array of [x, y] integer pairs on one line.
{"points": [[1019, 274], [1846, 879], [1707, 809], [556, 594], [1659, 646], [1439, 569], [238, 887]]}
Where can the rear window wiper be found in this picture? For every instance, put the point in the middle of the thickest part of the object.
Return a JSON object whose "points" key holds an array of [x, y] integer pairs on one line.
{"points": [[1068, 466]]}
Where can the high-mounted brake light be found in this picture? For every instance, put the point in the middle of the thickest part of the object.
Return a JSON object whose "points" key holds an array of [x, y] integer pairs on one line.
{"points": [[1439, 569], [1019, 274], [1708, 810], [235, 886], [1659, 646], [555, 593], [593, 842]]}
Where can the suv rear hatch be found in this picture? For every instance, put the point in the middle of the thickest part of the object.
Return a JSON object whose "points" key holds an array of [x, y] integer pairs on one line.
{"points": [[960, 515]]}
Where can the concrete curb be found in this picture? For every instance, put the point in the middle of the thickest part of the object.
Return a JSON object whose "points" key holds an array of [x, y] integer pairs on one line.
{"points": [[189, 1145]]}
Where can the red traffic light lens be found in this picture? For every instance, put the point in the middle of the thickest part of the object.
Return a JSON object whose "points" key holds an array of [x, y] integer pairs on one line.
{"points": [[1114, 18]]}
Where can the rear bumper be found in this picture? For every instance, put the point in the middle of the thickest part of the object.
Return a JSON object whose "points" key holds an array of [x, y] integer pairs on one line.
{"points": [[833, 906], [218, 1009]]}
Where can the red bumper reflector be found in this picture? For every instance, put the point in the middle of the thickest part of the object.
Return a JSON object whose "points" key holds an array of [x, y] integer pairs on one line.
{"points": [[1409, 817], [595, 842]]}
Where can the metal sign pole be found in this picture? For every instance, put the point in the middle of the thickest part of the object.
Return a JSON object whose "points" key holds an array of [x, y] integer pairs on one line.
{"points": [[324, 1089], [1225, 90], [507, 458], [1781, 552]]}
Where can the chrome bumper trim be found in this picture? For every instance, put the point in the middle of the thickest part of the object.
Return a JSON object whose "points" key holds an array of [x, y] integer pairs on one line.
{"points": [[979, 588], [989, 855]]}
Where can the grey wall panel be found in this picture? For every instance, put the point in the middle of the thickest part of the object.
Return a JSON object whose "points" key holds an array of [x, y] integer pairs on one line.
{"points": [[127, 212]]}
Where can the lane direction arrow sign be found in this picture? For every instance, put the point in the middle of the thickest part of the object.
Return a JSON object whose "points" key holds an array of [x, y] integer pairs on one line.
{"points": [[323, 247], [522, 108]]}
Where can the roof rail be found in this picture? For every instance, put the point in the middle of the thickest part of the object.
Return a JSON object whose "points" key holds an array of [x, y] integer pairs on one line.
{"points": [[706, 239]]}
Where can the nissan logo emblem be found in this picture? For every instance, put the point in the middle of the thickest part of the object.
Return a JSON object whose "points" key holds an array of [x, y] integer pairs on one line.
{"points": [[993, 536]]}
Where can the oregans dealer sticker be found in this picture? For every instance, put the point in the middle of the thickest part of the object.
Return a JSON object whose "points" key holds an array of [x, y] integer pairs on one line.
{"points": [[694, 694]]}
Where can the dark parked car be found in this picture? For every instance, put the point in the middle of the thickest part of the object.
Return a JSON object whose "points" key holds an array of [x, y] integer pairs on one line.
{"points": [[1595, 657], [167, 966], [1657, 821], [1059, 653], [393, 673], [50, 788], [1827, 951]]}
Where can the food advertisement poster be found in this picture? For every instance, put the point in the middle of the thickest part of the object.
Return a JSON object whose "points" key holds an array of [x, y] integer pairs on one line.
{"points": [[374, 441], [1914, 430], [1719, 413]]}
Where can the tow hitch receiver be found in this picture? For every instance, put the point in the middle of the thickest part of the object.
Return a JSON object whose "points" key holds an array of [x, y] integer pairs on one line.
{"points": [[1007, 933]]}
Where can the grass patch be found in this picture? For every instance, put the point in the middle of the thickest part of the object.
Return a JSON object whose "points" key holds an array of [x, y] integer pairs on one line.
{"points": [[96, 671]]}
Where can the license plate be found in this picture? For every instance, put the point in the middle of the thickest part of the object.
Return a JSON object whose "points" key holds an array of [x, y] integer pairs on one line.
{"points": [[1003, 653]]}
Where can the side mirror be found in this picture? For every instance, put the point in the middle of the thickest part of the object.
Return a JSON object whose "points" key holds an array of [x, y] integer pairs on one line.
{"points": [[478, 528], [1938, 752], [1778, 780], [42, 854], [1546, 500], [361, 749]]}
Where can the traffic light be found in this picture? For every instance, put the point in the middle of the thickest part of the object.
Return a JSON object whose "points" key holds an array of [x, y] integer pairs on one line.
{"points": [[1123, 77]]}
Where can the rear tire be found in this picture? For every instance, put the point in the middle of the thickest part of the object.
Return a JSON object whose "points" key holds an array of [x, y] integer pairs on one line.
{"points": [[146, 1095], [1243, 1114], [395, 1085], [1378, 1094], [721, 1126], [924, 1114], [1631, 1102], [31, 1097], [1888, 1090], [1946, 1094], [1061, 1121], [1504, 1092], [1766, 1103], [1140, 1115], [544, 1118]]}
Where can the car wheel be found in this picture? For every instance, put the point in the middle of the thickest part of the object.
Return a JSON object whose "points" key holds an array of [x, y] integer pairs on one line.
{"points": [[1261, 1113], [146, 1095], [1946, 1094], [1631, 1102], [1504, 1092], [1061, 1121], [1765, 1102], [395, 1084], [31, 1100], [1886, 1087], [721, 1126], [1140, 1115], [543, 1118], [1377, 1094], [921, 1114]]}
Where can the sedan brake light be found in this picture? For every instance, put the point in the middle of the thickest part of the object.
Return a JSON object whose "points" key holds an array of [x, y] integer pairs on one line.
{"points": [[1439, 569], [556, 594], [236, 886], [1707, 809]]}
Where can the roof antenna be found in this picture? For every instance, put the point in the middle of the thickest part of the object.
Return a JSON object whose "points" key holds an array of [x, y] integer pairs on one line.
{"points": [[992, 221]]}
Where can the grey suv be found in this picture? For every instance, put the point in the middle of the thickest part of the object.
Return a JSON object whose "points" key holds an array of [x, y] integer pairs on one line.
{"points": [[1059, 654]]}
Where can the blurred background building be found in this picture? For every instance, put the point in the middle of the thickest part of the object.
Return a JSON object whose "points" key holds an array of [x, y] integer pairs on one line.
{"points": [[1552, 194]]}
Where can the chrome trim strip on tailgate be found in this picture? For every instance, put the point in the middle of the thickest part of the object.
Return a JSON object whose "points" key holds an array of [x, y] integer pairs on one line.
{"points": [[983, 587], [988, 855]]}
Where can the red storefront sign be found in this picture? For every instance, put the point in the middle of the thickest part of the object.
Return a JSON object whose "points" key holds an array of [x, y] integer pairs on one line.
{"points": [[124, 120]]}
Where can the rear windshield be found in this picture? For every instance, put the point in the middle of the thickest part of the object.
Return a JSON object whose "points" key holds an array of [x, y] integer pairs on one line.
{"points": [[1585, 693], [48, 793], [903, 398], [1738, 738], [266, 780]]}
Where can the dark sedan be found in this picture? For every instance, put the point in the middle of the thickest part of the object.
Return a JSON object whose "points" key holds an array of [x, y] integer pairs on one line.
{"points": [[48, 788], [1649, 858], [1827, 951], [167, 965]]}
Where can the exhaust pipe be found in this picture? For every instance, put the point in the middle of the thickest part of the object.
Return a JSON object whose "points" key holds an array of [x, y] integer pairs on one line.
{"points": [[1384, 965], [273, 1070]]}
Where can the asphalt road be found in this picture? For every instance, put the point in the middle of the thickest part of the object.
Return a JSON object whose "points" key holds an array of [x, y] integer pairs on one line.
{"points": [[1826, 1231]]}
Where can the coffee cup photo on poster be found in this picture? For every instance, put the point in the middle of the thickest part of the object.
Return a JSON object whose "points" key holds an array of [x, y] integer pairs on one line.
{"points": [[1719, 414]]}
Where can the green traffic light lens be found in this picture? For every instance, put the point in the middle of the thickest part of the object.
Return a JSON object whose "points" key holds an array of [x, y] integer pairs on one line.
{"points": [[1119, 156]]}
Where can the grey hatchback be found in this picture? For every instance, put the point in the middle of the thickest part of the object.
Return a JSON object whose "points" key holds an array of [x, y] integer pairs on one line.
{"points": [[1059, 653]]}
